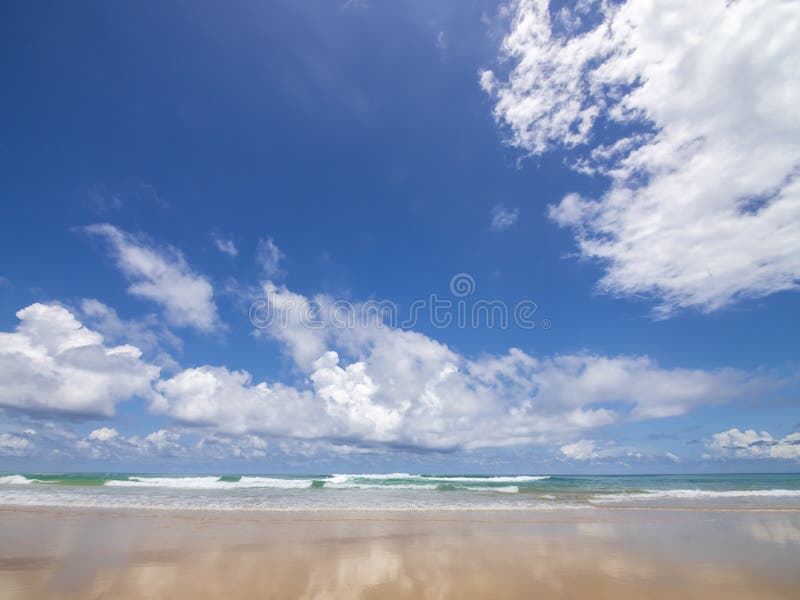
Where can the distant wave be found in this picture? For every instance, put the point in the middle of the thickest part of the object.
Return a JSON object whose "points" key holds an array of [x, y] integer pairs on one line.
{"points": [[490, 478], [210, 483], [343, 477], [407, 481], [339, 481], [349, 485]]}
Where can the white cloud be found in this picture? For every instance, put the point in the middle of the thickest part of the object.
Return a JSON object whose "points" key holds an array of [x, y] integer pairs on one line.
{"points": [[163, 276], [231, 402], [269, 257], [169, 443], [14, 445], [348, 396], [290, 325], [371, 385], [106, 443], [225, 246], [703, 207], [503, 218], [673, 457], [146, 333], [103, 434], [752, 444], [581, 450], [52, 363], [368, 387], [590, 450], [219, 447]]}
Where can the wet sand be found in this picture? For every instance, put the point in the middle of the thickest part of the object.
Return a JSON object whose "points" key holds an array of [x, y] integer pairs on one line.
{"points": [[600, 553]]}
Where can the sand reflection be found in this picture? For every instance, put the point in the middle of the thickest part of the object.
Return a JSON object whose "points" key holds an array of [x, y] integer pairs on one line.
{"points": [[600, 555]]}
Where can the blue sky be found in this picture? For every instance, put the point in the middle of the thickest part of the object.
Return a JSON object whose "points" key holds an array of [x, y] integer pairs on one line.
{"points": [[166, 166]]}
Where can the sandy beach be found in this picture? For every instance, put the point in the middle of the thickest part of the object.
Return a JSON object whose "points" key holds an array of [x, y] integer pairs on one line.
{"points": [[599, 553]]}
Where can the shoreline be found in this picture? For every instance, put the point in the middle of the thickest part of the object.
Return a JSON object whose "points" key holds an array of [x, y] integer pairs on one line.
{"points": [[379, 513]]}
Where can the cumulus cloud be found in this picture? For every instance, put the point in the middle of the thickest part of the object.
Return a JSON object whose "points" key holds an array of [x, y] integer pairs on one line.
{"points": [[269, 257], [753, 444], [163, 276], [503, 218], [231, 402], [52, 363], [368, 387], [703, 203], [673, 457], [581, 450], [372, 385], [103, 434]]}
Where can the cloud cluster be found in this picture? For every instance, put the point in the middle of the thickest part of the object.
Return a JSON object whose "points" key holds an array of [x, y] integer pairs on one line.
{"points": [[51, 363], [372, 385], [163, 276], [590, 450], [14, 445], [107, 442], [753, 444], [703, 206]]}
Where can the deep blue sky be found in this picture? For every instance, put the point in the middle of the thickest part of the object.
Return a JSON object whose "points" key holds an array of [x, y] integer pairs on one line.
{"points": [[359, 140]]}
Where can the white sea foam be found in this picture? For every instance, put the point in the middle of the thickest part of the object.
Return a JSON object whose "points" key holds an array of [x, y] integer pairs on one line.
{"points": [[122, 498], [15, 480], [365, 481], [493, 479], [342, 485], [505, 489], [210, 483], [272, 482], [340, 478], [690, 494], [343, 477]]}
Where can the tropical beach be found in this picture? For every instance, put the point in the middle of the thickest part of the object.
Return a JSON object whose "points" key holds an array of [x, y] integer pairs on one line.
{"points": [[420, 299], [398, 535]]}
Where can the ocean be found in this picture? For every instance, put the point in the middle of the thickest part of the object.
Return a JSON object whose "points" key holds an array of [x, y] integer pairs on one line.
{"points": [[398, 491]]}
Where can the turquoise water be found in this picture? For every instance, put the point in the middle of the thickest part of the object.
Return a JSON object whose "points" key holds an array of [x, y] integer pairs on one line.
{"points": [[397, 491]]}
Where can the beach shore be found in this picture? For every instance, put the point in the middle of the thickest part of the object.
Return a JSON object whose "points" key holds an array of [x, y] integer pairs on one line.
{"points": [[597, 553]]}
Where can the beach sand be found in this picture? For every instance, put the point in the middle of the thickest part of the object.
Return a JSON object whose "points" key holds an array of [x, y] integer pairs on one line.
{"points": [[597, 553]]}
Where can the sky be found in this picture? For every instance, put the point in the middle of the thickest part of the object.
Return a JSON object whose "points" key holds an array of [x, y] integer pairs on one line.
{"points": [[365, 236]]}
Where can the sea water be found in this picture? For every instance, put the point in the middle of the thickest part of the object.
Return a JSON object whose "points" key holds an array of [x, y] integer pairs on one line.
{"points": [[398, 491]]}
